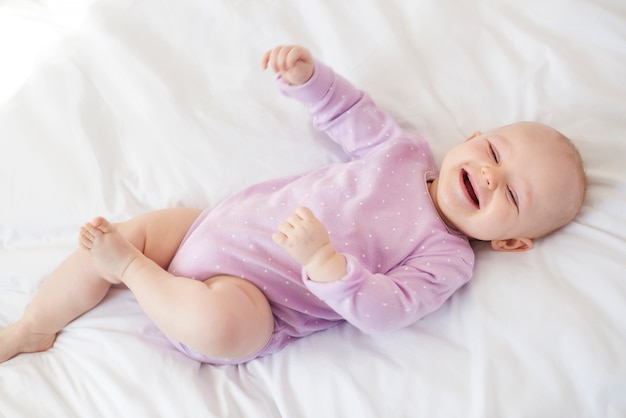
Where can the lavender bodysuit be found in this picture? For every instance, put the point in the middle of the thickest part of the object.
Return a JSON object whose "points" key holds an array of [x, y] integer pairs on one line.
{"points": [[403, 262]]}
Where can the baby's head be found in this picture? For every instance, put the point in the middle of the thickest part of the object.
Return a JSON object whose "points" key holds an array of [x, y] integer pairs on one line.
{"points": [[510, 186]]}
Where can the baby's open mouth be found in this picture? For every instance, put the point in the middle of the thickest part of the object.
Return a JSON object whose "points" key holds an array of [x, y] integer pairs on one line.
{"points": [[470, 189]]}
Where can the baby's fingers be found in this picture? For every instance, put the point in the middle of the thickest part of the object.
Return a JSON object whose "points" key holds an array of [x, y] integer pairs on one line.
{"points": [[283, 58], [279, 238], [266, 59], [295, 55], [304, 213], [286, 228], [271, 59]]}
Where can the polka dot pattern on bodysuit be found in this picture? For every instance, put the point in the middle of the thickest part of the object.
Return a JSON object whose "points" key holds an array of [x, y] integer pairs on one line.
{"points": [[403, 262]]}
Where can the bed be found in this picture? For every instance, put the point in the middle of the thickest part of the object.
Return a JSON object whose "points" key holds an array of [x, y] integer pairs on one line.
{"points": [[118, 107]]}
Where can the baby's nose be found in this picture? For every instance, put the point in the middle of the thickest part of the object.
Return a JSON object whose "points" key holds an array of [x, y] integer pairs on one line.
{"points": [[490, 175]]}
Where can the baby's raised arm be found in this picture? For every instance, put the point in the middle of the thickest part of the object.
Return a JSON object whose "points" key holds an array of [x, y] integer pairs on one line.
{"points": [[293, 63]]}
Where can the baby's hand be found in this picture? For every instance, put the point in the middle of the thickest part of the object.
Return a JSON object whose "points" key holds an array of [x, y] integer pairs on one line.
{"points": [[301, 235], [294, 63], [306, 240]]}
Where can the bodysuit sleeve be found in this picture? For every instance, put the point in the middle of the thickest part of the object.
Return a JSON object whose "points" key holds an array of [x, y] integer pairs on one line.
{"points": [[346, 114], [383, 302]]}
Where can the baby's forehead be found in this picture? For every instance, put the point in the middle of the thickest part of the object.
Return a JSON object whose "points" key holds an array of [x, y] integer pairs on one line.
{"points": [[545, 140], [555, 162], [536, 127], [559, 189], [529, 131]]}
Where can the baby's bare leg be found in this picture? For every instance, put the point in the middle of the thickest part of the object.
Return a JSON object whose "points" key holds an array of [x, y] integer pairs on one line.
{"points": [[76, 285], [70, 290], [221, 317]]}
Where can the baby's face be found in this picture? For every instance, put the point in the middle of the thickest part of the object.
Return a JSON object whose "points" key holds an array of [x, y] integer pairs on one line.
{"points": [[514, 182]]}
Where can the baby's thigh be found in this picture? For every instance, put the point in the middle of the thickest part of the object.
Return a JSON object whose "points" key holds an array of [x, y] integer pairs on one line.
{"points": [[239, 321], [158, 234]]}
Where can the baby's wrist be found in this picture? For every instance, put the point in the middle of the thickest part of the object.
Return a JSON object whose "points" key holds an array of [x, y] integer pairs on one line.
{"points": [[326, 265]]}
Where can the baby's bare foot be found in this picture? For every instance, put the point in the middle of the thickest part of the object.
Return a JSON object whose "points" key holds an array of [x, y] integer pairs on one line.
{"points": [[16, 339], [110, 250]]}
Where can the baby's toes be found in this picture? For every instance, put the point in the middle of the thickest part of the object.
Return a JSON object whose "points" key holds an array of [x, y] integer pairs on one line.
{"points": [[102, 225], [85, 238]]}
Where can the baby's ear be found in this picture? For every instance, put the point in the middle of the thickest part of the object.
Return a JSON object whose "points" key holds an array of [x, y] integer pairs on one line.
{"points": [[474, 135], [512, 244]]}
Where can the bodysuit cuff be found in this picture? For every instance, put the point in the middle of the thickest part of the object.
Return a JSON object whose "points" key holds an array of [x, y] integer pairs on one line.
{"points": [[314, 89], [337, 289]]}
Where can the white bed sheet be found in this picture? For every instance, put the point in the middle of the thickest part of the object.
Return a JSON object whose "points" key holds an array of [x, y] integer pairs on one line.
{"points": [[118, 107]]}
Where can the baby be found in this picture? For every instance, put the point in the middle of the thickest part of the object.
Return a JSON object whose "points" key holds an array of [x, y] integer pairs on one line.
{"points": [[379, 241]]}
